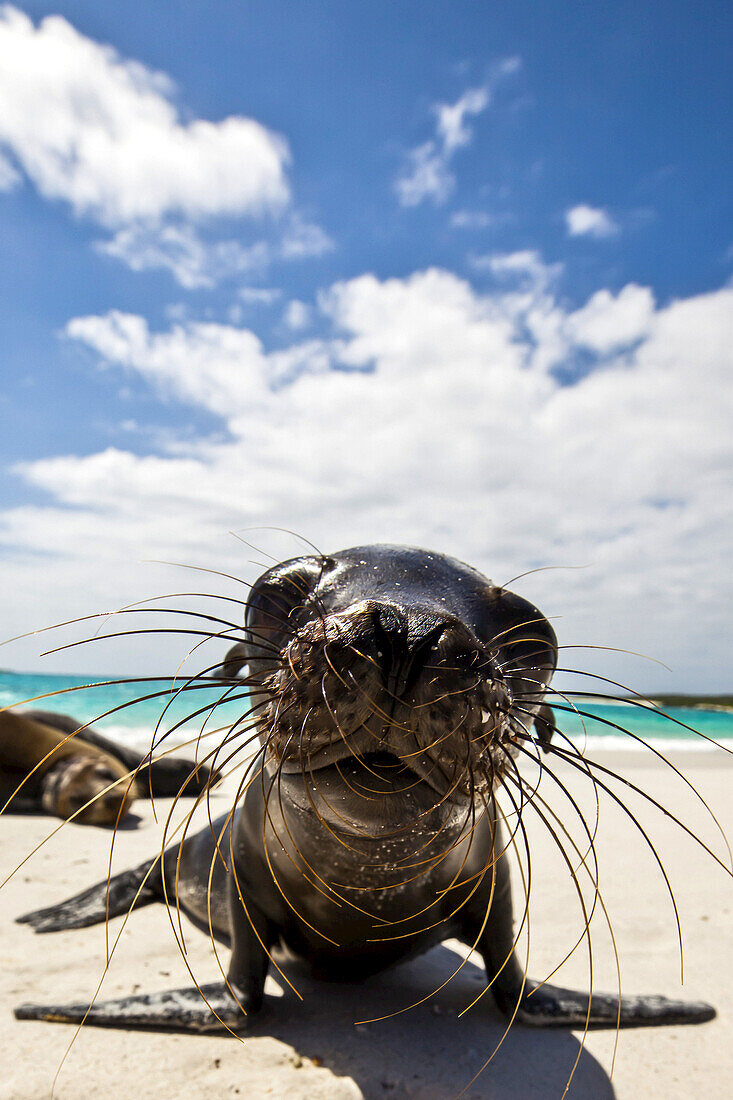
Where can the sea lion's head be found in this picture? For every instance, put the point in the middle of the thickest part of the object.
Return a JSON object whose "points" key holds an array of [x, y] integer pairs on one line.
{"points": [[397, 664], [92, 791]]}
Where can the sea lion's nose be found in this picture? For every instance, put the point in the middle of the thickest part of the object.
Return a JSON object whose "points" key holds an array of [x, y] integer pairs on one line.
{"points": [[403, 642]]}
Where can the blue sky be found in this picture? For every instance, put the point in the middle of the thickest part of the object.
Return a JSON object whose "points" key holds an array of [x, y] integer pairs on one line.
{"points": [[481, 250]]}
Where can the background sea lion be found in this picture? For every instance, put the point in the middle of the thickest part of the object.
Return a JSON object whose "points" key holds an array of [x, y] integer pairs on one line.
{"points": [[72, 769], [394, 689]]}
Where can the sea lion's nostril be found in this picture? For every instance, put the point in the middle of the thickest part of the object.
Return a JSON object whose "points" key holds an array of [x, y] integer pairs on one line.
{"points": [[390, 638], [390, 622], [403, 644]]}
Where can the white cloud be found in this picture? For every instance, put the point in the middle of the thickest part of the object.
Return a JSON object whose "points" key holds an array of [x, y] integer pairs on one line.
{"points": [[589, 221], [196, 261], [304, 239], [297, 315], [606, 323], [451, 126], [103, 134], [192, 261], [526, 263], [259, 295], [470, 219], [444, 425], [426, 173], [9, 178]]}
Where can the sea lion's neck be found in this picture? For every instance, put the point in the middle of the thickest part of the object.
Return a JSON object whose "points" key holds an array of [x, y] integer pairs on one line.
{"points": [[353, 826]]}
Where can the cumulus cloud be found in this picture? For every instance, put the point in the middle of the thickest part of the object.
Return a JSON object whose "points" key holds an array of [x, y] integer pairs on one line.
{"points": [[589, 221], [433, 413], [607, 322], [103, 134]]}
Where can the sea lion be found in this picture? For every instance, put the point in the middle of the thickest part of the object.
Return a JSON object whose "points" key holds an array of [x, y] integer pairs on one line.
{"points": [[394, 689], [60, 766]]}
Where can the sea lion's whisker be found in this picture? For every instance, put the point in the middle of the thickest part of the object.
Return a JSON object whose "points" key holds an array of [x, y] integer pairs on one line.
{"points": [[543, 765], [597, 896], [211, 708], [569, 756], [328, 889], [415, 1004], [244, 784], [617, 649], [198, 569], [180, 944], [660, 713], [325, 888], [586, 934], [214, 754], [660, 755], [188, 819], [518, 781], [109, 952], [538, 569], [212, 938], [526, 887], [316, 811], [132, 633], [286, 899]]}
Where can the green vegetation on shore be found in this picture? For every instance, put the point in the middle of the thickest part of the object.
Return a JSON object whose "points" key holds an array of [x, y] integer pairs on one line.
{"points": [[696, 702]]}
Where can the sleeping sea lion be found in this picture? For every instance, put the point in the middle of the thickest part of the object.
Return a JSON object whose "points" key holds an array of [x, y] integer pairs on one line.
{"points": [[69, 769], [394, 689]]}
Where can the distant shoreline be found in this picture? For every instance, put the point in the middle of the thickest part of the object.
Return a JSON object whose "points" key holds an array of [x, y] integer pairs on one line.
{"points": [[723, 703]]}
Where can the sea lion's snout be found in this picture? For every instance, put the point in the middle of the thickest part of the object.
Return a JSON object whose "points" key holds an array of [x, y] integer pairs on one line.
{"points": [[376, 679]]}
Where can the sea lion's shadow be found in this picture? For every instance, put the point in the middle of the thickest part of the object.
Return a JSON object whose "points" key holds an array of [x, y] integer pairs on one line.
{"points": [[427, 1052]]}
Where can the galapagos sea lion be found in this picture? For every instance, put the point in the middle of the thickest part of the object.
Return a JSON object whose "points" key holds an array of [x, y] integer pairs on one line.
{"points": [[394, 689], [60, 766]]}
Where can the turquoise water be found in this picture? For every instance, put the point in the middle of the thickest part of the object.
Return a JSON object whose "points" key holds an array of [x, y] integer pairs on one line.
{"points": [[135, 724], [91, 700]]}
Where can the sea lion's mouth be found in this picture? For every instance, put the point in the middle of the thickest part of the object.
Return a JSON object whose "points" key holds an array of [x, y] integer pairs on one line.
{"points": [[370, 797]]}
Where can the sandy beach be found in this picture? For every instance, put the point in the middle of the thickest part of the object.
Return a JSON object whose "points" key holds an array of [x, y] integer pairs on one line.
{"points": [[311, 1049]]}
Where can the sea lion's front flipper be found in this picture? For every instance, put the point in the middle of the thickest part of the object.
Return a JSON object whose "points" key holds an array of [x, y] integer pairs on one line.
{"points": [[550, 1006], [541, 1005], [222, 1005], [109, 898], [213, 1008]]}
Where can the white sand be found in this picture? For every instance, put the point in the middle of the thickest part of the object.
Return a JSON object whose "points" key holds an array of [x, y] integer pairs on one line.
{"points": [[311, 1049]]}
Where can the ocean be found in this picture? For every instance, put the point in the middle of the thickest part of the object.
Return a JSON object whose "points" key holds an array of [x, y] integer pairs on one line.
{"points": [[134, 724]]}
